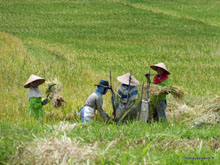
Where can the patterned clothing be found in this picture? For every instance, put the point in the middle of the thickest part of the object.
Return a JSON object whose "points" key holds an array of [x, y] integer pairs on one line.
{"points": [[125, 98], [88, 114]]}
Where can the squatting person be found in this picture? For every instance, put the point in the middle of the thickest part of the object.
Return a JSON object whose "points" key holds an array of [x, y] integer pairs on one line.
{"points": [[95, 102], [127, 94]]}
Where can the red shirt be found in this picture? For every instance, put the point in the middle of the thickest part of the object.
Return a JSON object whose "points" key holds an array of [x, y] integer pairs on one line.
{"points": [[158, 79]]}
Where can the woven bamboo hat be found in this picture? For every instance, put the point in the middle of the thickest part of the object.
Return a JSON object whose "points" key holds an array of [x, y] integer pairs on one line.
{"points": [[125, 79], [34, 78], [160, 65]]}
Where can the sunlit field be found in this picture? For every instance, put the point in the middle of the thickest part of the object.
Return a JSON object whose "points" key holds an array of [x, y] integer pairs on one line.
{"points": [[78, 42]]}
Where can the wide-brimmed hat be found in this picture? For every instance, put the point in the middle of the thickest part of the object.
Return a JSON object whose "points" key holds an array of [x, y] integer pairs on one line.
{"points": [[34, 78], [103, 83], [125, 79], [160, 65]]}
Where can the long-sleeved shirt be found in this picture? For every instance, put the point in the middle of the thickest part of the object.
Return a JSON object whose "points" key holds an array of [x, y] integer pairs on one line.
{"points": [[126, 98], [95, 101], [161, 96]]}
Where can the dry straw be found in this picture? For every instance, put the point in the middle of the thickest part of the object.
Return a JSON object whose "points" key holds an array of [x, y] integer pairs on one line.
{"points": [[54, 150], [214, 105], [211, 114], [205, 113]]}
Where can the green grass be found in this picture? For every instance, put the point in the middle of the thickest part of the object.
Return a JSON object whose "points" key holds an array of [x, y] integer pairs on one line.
{"points": [[126, 34], [129, 143], [80, 41]]}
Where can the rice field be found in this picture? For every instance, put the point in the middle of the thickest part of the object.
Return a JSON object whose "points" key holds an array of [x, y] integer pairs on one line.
{"points": [[77, 42]]}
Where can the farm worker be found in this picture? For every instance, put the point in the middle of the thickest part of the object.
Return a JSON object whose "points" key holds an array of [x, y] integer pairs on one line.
{"points": [[35, 97], [127, 94], [95, 102], [159, 103]]}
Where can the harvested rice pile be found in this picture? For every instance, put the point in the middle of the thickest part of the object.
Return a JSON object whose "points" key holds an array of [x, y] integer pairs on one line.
{"points": [[54, 92], [54, 151], [205, 112], [215, 105], [211, 115], [175, 91], [180, 111]]}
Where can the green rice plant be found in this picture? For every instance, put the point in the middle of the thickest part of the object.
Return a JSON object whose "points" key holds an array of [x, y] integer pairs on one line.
{"points": [[79, 42]]}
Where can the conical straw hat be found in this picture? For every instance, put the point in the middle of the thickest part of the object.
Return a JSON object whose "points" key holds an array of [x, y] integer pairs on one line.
{"points": [[160, 65], [33, 78], [125, 79]]}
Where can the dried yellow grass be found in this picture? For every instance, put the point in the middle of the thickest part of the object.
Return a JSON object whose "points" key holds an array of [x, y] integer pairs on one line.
{"points": [[211, 114], [184, 144], [63, 126], [214, 105], [54, 151]]}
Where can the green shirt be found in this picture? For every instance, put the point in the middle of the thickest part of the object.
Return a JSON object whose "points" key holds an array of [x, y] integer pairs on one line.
{"points": [[161, 96], [36, 108]]}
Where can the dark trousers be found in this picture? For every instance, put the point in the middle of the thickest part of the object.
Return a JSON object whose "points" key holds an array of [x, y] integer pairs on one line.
{"points": [[159, 111]]}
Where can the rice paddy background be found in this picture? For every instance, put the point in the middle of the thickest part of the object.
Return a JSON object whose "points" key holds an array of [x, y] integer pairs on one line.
{"points": [[79, 41]]}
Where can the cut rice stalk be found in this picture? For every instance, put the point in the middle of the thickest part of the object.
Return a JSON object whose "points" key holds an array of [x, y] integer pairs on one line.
{"points": [[54, 92], [175, 91]]}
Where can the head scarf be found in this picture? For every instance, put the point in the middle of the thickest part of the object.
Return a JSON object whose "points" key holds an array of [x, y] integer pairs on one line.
{"points": [[100, 90], [34, 92], [158, 79]]}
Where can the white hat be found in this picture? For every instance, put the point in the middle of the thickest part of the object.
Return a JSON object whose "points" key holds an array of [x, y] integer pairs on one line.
{"points": [[125, 79], [160, 65], [33, 78]]}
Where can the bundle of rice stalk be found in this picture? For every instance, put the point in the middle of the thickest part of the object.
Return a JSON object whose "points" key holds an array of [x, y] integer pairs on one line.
{"points": [[54, 92], [176, 91]]}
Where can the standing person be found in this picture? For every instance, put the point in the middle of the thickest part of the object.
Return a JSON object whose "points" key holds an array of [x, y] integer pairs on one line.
{"points": [[95, 102], [159, 102], [36, 103], [127, 94]]}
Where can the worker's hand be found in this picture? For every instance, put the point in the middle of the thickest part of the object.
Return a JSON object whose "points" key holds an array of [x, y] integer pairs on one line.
{"points": [[45, 101]]}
